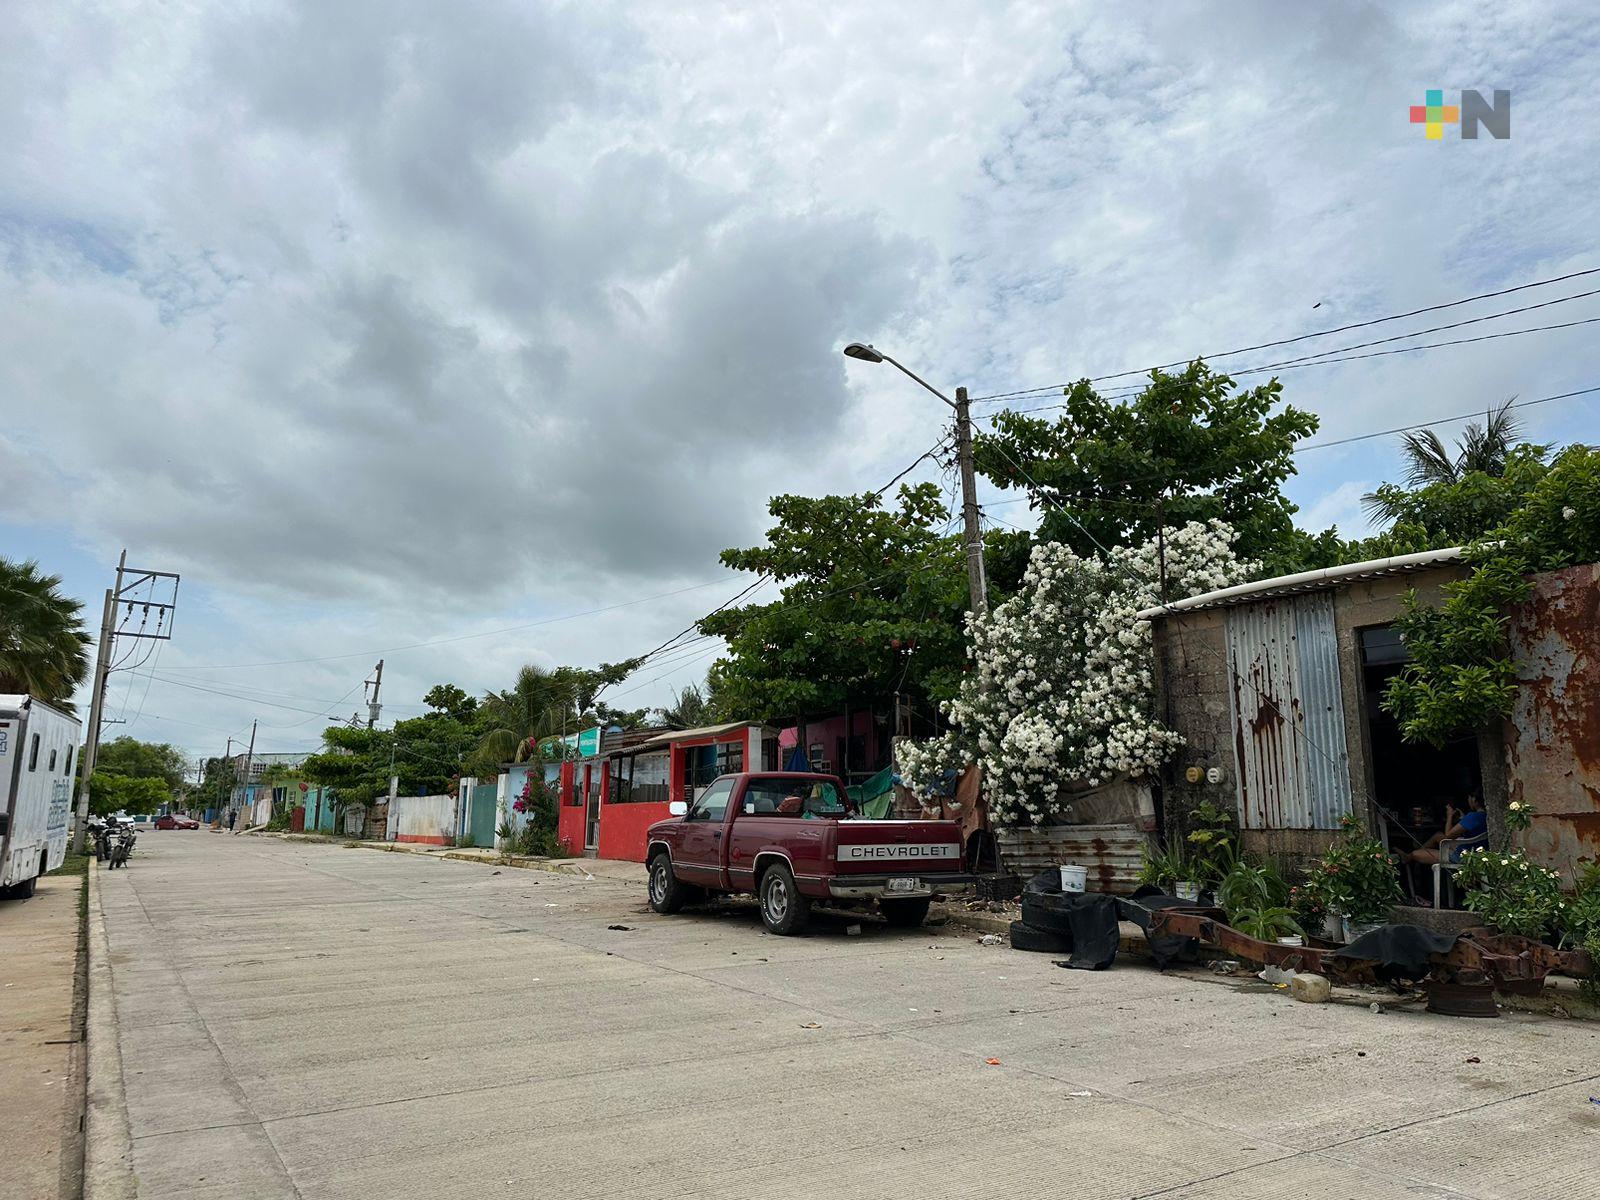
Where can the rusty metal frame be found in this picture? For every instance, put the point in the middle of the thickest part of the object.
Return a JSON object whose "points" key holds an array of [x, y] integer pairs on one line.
{"points": [[1499, 956]]}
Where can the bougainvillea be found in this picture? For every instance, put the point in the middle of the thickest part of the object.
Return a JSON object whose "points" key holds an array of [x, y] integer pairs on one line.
{"points": [[1061, 696]]}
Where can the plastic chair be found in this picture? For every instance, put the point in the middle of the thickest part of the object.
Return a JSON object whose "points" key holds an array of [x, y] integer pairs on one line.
{"points": [[1448, 852]]}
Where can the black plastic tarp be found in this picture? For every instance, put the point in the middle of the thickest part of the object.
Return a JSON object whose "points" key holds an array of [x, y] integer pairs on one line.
{"points": [[1087, 918], [1401, 951]]}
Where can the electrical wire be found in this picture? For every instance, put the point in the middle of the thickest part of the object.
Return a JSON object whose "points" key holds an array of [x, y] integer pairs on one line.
{"points": [[1289, 341], [1301, 449]]}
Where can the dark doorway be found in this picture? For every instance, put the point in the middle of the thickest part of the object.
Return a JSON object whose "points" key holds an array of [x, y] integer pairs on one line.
{"points": [[1413, 783]]}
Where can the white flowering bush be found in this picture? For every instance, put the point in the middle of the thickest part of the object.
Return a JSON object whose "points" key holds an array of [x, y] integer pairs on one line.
{"points": [[1061, 697]]}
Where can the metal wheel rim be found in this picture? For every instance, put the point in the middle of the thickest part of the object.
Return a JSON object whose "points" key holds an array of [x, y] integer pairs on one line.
{"points": [[777, 899], [658, 883]]}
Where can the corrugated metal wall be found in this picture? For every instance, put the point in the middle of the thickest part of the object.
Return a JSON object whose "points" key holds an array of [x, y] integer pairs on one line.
{"points": [[1292, 767]]}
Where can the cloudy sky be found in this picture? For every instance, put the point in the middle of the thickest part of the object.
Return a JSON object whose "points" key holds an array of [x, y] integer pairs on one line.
{"points": [[392, 323]]}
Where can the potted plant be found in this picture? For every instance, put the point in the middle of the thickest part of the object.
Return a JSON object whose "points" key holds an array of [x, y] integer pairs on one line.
{"points": [[1166, 869], [1358, 879], [1213, 846]]}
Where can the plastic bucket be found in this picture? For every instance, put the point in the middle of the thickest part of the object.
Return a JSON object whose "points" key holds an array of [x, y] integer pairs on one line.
{"points": [[1074, 879], [1188, 891]]}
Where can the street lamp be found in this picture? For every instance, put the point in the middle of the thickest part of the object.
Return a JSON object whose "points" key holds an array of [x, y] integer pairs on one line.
{"points": [[977, 585]]}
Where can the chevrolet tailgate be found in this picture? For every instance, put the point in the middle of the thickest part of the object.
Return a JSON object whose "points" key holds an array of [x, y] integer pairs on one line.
{"points": [[897, 848]]}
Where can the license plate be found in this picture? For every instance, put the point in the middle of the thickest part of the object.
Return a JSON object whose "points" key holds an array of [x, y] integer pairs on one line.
{"points": [[903, 885]]}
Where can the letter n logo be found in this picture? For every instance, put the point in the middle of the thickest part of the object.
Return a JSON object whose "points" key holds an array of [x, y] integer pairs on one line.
{"points": [[1476, 111]]}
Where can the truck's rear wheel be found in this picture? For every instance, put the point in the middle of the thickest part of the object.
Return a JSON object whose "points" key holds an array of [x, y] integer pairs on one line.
{"points": [[20, 891], [667, 895], [905, 914], [783, 909]]}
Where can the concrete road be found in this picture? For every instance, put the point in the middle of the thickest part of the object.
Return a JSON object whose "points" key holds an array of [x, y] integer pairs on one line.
{"points": [[41, 1085], [312, 1021]]}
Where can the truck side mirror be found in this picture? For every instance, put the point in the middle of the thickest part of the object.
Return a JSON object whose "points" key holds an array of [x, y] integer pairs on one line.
{"points": [[677, 808]]}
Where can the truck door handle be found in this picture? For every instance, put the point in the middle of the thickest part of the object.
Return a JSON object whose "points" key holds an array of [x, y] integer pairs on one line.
{"points": [[716, 835]]}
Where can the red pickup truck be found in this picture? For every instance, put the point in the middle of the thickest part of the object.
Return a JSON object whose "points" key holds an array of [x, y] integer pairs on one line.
{"points": [[791, 838]]}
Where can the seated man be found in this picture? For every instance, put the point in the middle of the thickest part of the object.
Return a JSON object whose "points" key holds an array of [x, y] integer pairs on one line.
{"points": [[1470, 826]]}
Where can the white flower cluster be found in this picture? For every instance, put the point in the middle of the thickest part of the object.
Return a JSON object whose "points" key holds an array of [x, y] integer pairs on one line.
{"points": [[1062, 694]]}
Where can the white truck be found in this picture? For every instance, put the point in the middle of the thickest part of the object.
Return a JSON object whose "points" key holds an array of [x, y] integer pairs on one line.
{"points": [[37, 747]]}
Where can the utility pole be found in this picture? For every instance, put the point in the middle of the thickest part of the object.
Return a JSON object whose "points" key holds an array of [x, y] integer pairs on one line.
{"points": [[162, 606], [373, 707], [977, 585], [249, 757], [97, 699]]}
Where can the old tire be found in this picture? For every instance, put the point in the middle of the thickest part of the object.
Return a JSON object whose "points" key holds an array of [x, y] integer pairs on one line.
{"points": [[1049, 913], [1044, 941], [20, 891], [667, 895], [784, 910], [905, 914]]}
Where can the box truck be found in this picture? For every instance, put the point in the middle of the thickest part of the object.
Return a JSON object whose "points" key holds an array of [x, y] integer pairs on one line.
{"points": [[38, 746]]}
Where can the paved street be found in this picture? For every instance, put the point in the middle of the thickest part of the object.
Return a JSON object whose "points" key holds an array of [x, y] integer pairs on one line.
{"points": [[314, 1021]]}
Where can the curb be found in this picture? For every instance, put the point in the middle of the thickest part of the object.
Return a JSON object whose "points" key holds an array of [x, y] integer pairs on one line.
{"points": [[107, 1139]]}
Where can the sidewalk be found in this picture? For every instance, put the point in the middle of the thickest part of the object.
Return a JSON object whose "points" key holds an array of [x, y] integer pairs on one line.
{"points": [[40, 1046]]}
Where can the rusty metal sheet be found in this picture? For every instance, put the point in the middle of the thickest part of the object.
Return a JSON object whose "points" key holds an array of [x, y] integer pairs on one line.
{"points": [[1291, 763], [1111, 854], [1553, 737]]}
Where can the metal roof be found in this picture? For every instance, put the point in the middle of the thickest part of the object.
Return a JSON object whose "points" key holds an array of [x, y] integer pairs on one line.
{"points": [[688, 735], [1307, 581]]}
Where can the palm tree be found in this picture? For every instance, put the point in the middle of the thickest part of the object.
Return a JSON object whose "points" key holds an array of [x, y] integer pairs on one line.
{"points": [[539, 704], [43, 645], [1483, 449], [690, 708]]}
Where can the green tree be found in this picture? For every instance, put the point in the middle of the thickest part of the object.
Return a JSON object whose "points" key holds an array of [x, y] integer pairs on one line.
{"points": [[873, 603], [452, 701], [1191, 446], [353, 762], [691, 708], [1461, 677], [110, 793], [1452, 511], [543, 703], [43, 645], [143, 760]]}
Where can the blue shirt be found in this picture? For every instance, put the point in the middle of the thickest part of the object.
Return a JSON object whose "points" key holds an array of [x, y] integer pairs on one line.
{"points": [[1474, 825]]}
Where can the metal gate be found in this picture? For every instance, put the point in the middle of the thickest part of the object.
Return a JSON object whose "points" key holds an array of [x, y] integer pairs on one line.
{"points": [[1289, 747], [481, 816]]}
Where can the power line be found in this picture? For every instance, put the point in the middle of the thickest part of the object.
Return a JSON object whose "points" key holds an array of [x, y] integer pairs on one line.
{"points": [[289, 662], [1344, 441], [1416, 312]]}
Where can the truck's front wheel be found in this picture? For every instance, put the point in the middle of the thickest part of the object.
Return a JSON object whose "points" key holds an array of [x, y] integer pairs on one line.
{"points": [[667, 895], [904, 914], [783, 908]]}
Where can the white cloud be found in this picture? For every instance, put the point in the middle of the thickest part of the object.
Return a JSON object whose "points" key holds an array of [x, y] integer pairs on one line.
{"points": [[374, 319]]}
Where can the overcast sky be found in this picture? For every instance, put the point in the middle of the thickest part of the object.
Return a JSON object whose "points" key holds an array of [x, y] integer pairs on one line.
{"points": [[393, 322]]}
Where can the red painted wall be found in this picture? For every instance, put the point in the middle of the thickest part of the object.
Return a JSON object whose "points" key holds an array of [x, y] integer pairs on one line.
{"points": [[569, 828], [623, 826]]}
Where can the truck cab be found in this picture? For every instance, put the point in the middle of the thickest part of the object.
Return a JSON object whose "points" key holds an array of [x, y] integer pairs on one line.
{"points": [[793, 838]]}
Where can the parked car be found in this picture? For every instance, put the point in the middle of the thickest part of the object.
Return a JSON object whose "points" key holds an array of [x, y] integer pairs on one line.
{"points": [[791, 838], [174, 821]]}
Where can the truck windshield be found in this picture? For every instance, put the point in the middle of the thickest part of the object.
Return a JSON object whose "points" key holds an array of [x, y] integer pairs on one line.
{"points": [[800, 798]]}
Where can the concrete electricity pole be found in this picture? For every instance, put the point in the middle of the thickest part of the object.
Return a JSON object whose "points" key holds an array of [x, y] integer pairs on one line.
{"points": [[156, 601], [97, 699], [373, 707], [977, 583]]}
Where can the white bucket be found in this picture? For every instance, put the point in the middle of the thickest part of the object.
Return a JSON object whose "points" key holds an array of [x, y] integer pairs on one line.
{"points": [[1188, 891], [1074, 879]]}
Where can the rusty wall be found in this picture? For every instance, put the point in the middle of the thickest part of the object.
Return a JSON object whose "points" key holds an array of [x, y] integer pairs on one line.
{"points": [[1553, 736]]}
